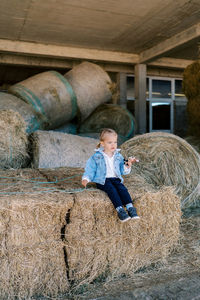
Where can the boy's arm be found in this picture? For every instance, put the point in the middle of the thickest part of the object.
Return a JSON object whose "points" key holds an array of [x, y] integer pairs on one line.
{"points": [[128, 164], [90, 170], [127, 170]]}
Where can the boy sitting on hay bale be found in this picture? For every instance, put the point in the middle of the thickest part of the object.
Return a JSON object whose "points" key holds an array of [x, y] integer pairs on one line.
{"points": [[106, 168]]}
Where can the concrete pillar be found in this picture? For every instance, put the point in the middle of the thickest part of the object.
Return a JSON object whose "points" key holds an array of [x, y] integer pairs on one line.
{"points": [[122, 85], [140, 97]]}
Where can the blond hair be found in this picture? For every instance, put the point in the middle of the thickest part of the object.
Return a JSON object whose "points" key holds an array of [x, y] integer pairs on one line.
{"points": [[104, 132]]}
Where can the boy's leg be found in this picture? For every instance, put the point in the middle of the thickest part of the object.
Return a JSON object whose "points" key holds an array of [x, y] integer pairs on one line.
{"points": [[122, 191], [125, 198], [112, 193]]}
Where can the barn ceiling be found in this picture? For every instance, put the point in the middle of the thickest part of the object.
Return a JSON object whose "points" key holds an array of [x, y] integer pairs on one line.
{"points": [[147, 29]]}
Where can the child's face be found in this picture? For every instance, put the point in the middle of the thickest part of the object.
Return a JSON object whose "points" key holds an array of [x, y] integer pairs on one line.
{"points": [[109, 143]]}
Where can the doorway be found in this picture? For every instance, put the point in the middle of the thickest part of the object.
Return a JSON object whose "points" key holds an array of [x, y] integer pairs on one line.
{"points": [[160, 104]]}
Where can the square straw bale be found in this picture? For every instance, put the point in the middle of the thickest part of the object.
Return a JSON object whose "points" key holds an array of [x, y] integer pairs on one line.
{"points": [[13, 140], [98, 243], [34, 258], [54, 241], [4, 221]]}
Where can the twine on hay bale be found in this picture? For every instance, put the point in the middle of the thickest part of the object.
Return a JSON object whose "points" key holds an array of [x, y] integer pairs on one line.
{"points": [[55, 235], [91, 84], [32, 120], [166, 159], [110, 116], [13, 140], [51, 97], [53, 149]]}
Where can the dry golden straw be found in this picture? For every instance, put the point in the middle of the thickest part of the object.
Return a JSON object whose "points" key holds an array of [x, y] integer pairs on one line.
{"points": [[194, 142], [110, 116], [191, 88], [166, 159], [91, 84], [13, 140], [56, 235]]}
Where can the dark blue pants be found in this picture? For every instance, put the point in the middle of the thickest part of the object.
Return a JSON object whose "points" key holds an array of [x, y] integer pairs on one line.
{"points": [[116, 191]]}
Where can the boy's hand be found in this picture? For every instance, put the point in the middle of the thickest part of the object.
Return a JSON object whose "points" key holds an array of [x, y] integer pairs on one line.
{"points": [[84, 182], [132, 160]]}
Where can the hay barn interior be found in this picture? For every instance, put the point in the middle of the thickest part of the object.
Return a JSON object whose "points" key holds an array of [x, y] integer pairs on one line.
{"points": [[67, 68], [144, 46]]}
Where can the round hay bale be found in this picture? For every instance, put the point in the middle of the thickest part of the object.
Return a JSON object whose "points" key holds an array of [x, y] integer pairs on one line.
{"points": [[13, 140], [194, 142], [91, 86], [191, 88], [193, 111], [50, 95], [67, 128], [166, 159], [33, 120], [110, 116], [53, 149], [191, 80]]}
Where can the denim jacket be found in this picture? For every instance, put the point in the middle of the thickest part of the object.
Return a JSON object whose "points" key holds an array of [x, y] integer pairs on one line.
{"points": [[95, 169]]}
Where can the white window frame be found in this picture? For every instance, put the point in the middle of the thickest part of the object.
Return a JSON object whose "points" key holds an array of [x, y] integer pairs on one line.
{"points": [[151, 100], [161, 100]]}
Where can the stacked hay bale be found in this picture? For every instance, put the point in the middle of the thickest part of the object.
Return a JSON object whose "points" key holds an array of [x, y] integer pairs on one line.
{"points": [[92, 87], [50, 95], [98, 244], [191, 88], [57, 149], [13, 141], [68, 236], [33, 121], [110, 116], [32, 255], [67, 128], [166, 159]]}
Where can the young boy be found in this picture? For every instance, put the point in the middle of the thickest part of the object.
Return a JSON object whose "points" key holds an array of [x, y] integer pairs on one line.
{"points": [[106, 167]]}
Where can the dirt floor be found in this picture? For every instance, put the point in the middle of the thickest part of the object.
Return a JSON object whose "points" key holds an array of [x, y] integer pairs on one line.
{"points": [[177, 278]]}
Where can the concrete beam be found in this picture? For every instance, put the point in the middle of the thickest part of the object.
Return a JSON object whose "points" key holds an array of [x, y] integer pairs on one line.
{"points": [[55, 51], [140, 97], [169, 44], [52, 62], [172, 63], [46, 62]]}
